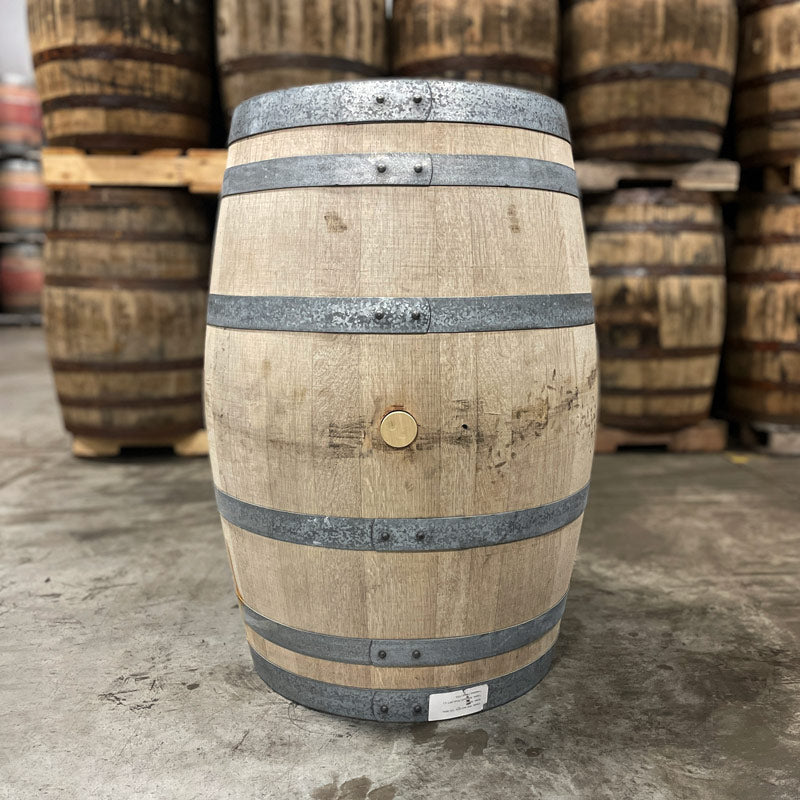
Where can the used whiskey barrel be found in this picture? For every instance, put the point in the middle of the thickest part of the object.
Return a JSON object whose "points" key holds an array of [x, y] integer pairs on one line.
{"points": [[122, 74], [511, 42], [23, 196], [649, 80], [768, 83], [20, 117], [762, 357], [401, 422], [264, 45], [21, 277], [657, 258], [124, 305]]}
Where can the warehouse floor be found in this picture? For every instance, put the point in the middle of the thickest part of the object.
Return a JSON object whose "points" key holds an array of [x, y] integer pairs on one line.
{"points": [[124, 671]]}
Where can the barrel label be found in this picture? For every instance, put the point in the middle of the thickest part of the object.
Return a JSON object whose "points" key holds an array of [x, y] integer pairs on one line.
{"points": [[460, 703]]}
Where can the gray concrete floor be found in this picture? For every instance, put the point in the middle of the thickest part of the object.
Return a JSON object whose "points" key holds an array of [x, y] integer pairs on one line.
{"points": [[124, 671]]}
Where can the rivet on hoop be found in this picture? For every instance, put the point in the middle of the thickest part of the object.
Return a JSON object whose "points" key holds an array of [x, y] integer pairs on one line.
{"points": [[379, 315], [416, 654], [380, 99], [417, 709], [415, 315], [420, 536], [381, 167], [417, 98], [384, 537], [417, 168], [384, 709], [381, 654]]}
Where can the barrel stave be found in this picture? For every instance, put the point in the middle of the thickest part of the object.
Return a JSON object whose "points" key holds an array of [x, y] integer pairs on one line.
{"points": [[125, 300], [504, 418]]}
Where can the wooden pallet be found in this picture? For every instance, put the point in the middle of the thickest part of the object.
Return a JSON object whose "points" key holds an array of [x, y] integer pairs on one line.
{"points": [[708, 176], [195, 444], [709, 436], [200, 171], [769, 438]]}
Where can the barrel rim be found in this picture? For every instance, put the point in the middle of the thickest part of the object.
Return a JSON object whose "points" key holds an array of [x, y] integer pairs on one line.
{"points": [[398, 100]]}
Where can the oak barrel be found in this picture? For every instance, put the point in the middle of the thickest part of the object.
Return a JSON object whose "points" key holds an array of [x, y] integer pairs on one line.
{"points": [[657, 258], [401, 391], [21, 277], [762, 356], [122, 74], [124, 304], [264, 45], [20, 116], [512, 42], [23, 196], [649, 80], [768, 83]]}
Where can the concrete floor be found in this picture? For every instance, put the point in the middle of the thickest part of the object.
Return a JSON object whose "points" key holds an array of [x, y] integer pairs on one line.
{"points": [[124, 671]]}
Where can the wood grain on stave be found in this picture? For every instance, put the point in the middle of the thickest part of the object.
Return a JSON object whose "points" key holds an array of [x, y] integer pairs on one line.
{"points": [[277, 44], [658, 259], [649, 81], [762, 357], [513, 42]]}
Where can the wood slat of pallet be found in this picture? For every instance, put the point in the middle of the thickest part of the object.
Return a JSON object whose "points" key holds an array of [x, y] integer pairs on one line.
{"points": [[709, 176], [709, 436], [195, 444], [199, 170]]}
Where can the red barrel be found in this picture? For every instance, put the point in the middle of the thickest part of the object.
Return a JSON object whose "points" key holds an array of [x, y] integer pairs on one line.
{"points": [[23, 196], [21, 277], [20, 116]]}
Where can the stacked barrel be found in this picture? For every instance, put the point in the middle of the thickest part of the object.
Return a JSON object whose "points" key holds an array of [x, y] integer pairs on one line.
{"points": [[23, 198], [512, 42], [263, 45], [126, 268], [650, 81], [763, 345]]}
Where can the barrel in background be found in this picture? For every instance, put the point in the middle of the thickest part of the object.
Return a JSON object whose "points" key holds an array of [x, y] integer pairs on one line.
{"points": [[20, 117], [264, 45], [762, 357], [648, 80], [768, 83], [124, 311], [23, 196], [21, 277], [401, 423], [119, 74], [512, 42], [657, 258]]}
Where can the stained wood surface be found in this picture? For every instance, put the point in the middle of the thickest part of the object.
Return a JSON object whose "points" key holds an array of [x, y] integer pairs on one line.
{"points": [[762, 357], [505, 420], [263, 45], [119, 74], [23, 197], [768, 83], [657, 258], [649, 80], [125, 297], [511, 42]]}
